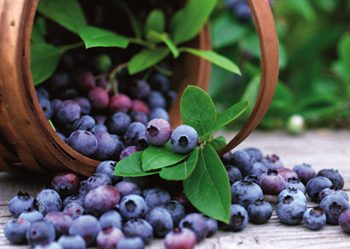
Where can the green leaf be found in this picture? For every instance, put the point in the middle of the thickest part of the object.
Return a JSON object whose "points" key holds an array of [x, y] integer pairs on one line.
{"points": [[198, 110], [68, 14], [189, 21], [155, 22], [208, 187], [131, 166], [39, 30], [97, 37], [251, 93], [182, 170], [44, 59], [218, 143], [167, 40], [146, 58], [214, 58], [159, 157]]}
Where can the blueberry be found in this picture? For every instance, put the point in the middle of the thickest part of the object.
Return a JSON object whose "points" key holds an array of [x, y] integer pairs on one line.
{"points": [[212, 226], [314, 218], [328, 191], [344, 221], [102, 81], [108, 238], [48, 200], [31, 216], [155, 197], [83, 142], [333, 175], [100, 119], [85, 105], [73, 199], [101, 199], [315, 185], [176, 210], [99, 128], [61, 136], [159, 113], [56, 104], [111, 219], [69, 112], [234, 174], [20, 203], [272, 183], [66, 183], [238, 218], [83, 190], [74, 210], [131, 243], [139, 117], [51, 245], [158, 131], [133, 206], [260, 212], [305, 172], [42, 93], [272, 162], [87, 227], [180, 238], [128, 188], [255, 153], [156, 99], [161, 221], [107, 167], [290, 211], [160, 82], [120, 103], [258, 169], [136, 135], [108, 146], [61, 222], [333, 205], [245, 192], [197, 223], [243, 161], [184, 139], [119, 123], [287, 173], [128, 151], [15, 231], [72, 242], [86, 81], [139, 89], [139, 106], [68, 94], [295, 193], [99, 98], [46, 107], [138, 228], [85, 123], [296, 183], [41, 232], [103, 63], [97, 180]]}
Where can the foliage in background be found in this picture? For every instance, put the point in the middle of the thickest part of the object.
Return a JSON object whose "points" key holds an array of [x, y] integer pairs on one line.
{"points": [[314, 38]]}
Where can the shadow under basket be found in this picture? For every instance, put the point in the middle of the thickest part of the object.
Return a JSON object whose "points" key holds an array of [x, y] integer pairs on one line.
{"points": [[27, 141]]}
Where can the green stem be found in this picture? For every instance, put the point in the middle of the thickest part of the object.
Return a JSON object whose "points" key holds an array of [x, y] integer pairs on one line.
{"points": [[72, 46], [111, 77], [142, 43], [164, 71]]}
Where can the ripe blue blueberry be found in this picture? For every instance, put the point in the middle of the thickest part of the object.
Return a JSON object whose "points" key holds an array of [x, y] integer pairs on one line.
{"points": [[108, 167], [15, 231], [133, 206], [258, 169], [73, 199], [61, 222], [66, 184], [69, 112], [87, 227], [295, 193], [161, 221], [108, 146], [119, 123], [20, 203], [46, 107], [131, 243], [84, 142], [108, 238], [234, 174], [85, 105], [41, 232], [328, 191], [138, 228], [333, 205], [260, 212], [31, 216], [136, 135], [139, 117], [254, 153], [111, 219], [290, 211], [155, 197], [245, 192], [272, 183], [61, 136], [85, 123], [48, 200], [315, 185], [197, 223], [180, 238], [176, 210], [314, 218], [243, 161], [155, 99], [238, 218], [305, 172], [128, 188], [128, 151], [158, 131], [344, 221], [97, 180], [333, 175], [184, 139], [159, 113], [272, 162], [72, 242], [101, 199], [42, 93], [296, 183], [73, 210], [51, 245], [139, 89], [160, 82], [212, 226]]}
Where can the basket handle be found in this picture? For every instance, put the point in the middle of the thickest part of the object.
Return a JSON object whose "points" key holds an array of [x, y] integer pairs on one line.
{"points": [[265, 27]]}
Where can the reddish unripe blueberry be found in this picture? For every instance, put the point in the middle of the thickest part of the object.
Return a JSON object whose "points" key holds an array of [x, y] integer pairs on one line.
{"points": [[272, 183], [140, 106], [344, 221], [108, 238], [73, 210], [305, 172], [180, 238], [86, 81], [61, 222], [272, 162], [120, 103], [128, 151], [99, 98], [287, 173], [66, 184], [101, 199]]}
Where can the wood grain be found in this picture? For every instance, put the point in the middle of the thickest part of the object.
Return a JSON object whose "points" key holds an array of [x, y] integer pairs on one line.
{"points": [[323, 149]]}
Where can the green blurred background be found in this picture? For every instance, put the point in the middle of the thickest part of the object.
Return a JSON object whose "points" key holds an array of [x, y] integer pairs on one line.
{"points": [[314, 38]]}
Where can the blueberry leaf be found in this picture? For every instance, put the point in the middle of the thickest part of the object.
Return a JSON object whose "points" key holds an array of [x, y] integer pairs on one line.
{"points": [[218, 143], [189, 21], [167, 41], [198, 110], [182, 170], [214, 58], [208, 187], [159, 157], [98, 37], [155, 22], [146, 58], [68, 14], [131, 166]]}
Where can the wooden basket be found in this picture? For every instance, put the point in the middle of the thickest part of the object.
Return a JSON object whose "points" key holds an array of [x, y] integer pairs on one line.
{"points": [[27, 142]]}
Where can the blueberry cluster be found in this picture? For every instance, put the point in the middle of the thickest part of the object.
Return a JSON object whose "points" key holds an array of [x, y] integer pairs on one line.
{"points": [[124, 213], [104, 115]]}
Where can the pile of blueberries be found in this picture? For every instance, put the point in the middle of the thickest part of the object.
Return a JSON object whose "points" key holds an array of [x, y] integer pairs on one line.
{"points": [[126, 213], [104, 118]]}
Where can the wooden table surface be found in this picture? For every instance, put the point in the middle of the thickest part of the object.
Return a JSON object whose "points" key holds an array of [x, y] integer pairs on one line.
{"points": [[322, 149]]}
